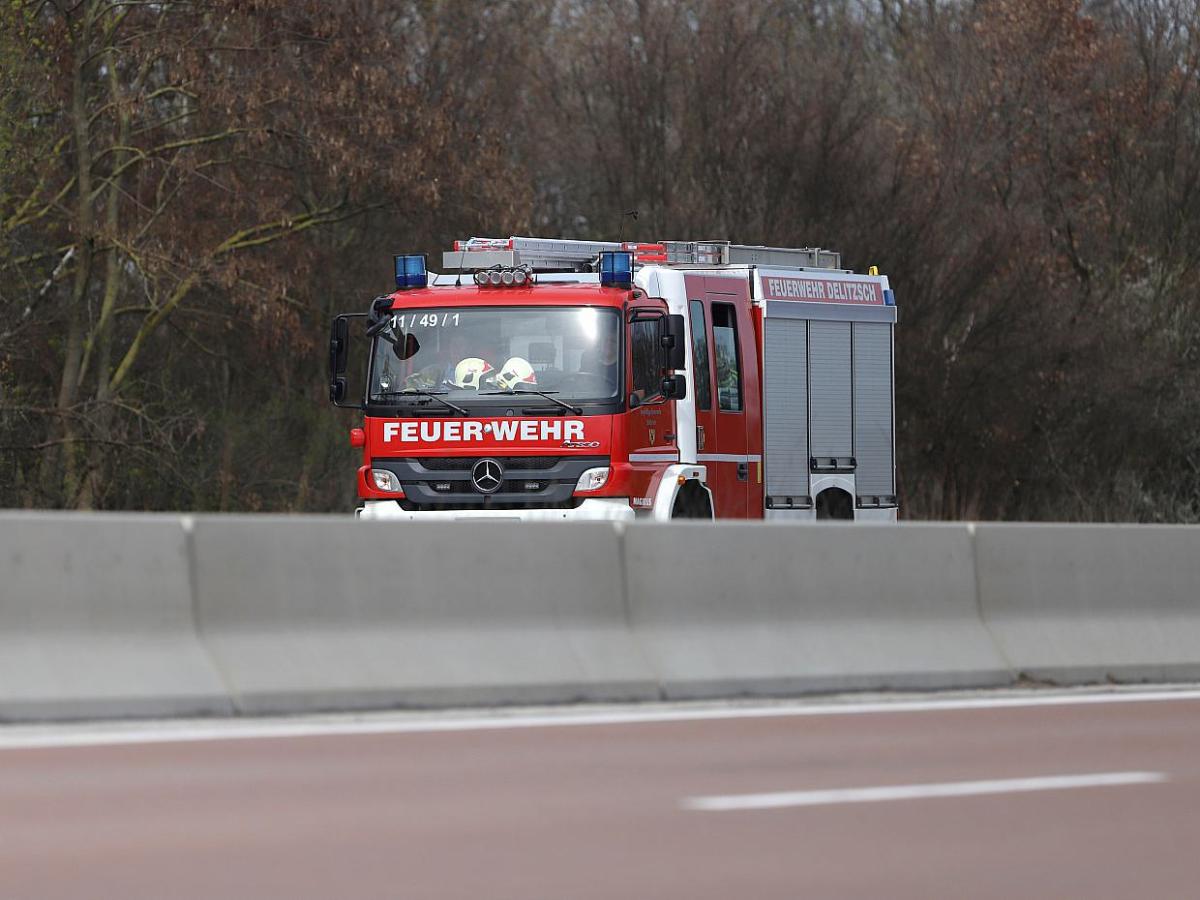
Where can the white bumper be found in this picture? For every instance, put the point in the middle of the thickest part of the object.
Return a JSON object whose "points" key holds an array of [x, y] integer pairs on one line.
{"points": [[596, 509]]}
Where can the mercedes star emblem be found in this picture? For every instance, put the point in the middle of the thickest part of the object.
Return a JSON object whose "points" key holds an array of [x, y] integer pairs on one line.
{"points": [[487, 475]]}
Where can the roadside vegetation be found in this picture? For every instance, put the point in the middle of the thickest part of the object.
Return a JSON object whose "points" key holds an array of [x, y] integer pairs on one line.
{"points": [[189, 190]]}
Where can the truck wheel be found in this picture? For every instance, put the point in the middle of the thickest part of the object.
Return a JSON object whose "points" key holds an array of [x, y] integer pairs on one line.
{"points": [[834, 503], [692, 503]]}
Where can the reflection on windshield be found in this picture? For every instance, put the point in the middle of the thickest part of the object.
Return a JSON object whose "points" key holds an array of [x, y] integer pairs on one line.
{"points": [[470, 352]]}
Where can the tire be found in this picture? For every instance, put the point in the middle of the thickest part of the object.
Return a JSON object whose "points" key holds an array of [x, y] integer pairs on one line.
{"points": [[692, 503], [835, 504]]}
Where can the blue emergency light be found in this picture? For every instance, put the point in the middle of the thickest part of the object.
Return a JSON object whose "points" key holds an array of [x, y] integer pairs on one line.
{"points": [[889, 298], [616, 268], [410, 271]]}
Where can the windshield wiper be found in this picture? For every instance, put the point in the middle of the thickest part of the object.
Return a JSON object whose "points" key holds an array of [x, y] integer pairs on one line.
{"points": [[432, 395], [574, 410]]}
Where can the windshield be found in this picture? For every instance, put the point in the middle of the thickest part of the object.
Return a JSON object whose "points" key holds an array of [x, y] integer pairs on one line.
{"points": [[470, 352]]}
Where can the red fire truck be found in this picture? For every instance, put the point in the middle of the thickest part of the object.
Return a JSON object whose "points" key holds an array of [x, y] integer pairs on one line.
{"points": [[545, 379]]}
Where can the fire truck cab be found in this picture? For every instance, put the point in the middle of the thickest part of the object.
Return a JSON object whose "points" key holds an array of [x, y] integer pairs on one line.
{"points": [[545, 379]]}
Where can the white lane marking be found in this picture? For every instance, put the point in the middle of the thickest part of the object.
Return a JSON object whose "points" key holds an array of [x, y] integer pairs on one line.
{"points": [[92, 734], [918, 791]]}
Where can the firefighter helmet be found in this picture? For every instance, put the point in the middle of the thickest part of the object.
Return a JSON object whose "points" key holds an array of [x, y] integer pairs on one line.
{"points": [[469, 372], [516, 371]]}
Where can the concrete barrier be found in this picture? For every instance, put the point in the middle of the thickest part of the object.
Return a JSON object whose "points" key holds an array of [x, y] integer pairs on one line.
{"points": [[733, 609], [96, 619], [322, 613], [130, 615], [1087, 603]]}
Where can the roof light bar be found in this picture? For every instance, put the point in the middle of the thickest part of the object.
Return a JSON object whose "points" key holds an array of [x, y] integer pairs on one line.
{"points": [[410, 271]]}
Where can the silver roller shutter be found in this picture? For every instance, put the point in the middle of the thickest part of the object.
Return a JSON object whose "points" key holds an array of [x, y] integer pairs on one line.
{"points": [[785, 406], [829, 377], [873, 443]]}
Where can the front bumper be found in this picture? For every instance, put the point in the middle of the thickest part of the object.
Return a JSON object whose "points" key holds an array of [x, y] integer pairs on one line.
{"points": [[594, 509]]}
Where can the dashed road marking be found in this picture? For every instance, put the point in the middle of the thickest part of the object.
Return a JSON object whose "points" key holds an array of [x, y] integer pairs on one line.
{"points": [[881, 793]]}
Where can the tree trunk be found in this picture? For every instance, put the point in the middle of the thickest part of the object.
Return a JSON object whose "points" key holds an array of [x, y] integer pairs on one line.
{"points": [[102, 337], [59, 475], [225, 474]]}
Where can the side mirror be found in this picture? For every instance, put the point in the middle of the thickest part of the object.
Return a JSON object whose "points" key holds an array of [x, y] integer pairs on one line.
{"points": [[339, 347], [407, 348], [675, 387], [380, 315], [339, 358], [674, 342], [634, 401]]}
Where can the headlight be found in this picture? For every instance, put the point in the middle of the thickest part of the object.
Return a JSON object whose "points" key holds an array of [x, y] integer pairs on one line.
{"points": [[593, 479], [385, 480]]}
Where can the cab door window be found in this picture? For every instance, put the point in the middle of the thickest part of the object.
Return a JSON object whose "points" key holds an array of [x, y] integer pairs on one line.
{"points": [[700, 355], [728, 358], [646, 355]]}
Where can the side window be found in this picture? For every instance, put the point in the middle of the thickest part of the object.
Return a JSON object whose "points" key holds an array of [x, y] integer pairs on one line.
{"points": [[700, 356], [729, 369], [646, 352]]}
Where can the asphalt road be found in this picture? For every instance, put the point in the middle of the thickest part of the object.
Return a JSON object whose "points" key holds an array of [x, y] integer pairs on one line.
{"points": [[977, 802]]}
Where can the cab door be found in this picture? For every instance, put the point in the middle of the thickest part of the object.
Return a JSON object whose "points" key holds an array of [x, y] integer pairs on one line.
{"points": [[725, 370], [650, 424]]}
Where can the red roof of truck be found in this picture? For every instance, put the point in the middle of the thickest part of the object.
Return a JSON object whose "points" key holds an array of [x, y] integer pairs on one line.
{"points": [[534, 295]]}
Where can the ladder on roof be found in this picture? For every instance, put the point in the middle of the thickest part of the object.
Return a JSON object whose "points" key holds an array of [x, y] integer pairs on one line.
{"points": [[558, 255]]}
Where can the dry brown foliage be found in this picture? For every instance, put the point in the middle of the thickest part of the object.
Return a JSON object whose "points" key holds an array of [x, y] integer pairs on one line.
{"points": [[188, 190]]}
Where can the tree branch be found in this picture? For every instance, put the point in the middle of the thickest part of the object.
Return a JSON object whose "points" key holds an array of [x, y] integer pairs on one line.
{"points": [[148, 326]]}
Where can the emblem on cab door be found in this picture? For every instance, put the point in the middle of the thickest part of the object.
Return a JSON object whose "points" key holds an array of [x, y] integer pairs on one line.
{"points": [[487, 475]]}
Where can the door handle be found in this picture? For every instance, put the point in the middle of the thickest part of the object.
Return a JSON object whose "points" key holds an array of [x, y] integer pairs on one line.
{"points": [[743, 471]]}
